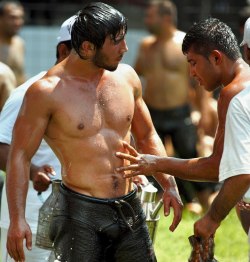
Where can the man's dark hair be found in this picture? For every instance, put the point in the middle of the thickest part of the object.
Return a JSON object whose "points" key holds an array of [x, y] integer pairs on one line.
{"points": [[211, 34], [94, 23], [67, 43], [165, 7]]}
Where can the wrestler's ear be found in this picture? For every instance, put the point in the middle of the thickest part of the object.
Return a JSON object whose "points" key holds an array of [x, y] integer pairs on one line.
{"points": [[87, 48], [216, 57]]}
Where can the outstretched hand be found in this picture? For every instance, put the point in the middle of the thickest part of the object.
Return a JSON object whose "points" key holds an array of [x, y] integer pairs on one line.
{"points": [[140, 164]]}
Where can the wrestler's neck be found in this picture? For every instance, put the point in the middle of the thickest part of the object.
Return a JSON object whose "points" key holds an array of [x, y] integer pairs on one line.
{"points": [[5, 39], [237, 68], [166, 34], [78, 67]]}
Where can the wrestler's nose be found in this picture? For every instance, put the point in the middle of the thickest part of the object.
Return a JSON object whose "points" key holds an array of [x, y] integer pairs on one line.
{"points": [[192, 71], [124, 47]]}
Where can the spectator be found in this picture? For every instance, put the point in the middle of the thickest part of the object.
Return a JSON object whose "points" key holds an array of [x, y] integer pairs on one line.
{"points": [[11, 44]]}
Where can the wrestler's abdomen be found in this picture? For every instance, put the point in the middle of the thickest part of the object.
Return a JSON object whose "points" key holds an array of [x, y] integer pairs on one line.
{"points": [[88, 166]]}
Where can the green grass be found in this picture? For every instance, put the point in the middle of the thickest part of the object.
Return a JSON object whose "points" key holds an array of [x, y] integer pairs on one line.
{"points": [[231, 243]]}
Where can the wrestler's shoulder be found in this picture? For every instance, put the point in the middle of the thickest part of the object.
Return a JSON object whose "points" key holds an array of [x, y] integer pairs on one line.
{"points": [[17, 41], [126, 70], [148, 41], [45, 85], [6, 71]]}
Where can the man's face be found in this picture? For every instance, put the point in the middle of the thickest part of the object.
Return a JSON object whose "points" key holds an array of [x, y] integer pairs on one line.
{"points": [[153, 20], [12, 19], [111, 53], [203, 70]]}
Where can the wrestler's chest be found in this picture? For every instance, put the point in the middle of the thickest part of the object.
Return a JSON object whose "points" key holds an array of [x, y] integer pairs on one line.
{"points": [[92, 112]]}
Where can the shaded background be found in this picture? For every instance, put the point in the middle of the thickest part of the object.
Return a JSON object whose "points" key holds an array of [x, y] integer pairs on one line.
{"points": [[43, 19]]}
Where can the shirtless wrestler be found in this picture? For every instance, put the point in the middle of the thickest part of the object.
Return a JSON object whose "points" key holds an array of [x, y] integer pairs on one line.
{"points": [[85, 107], [167, 89], [11, 44]]}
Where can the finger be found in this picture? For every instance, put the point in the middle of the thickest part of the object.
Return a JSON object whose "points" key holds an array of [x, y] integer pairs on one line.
{"points": [[12, 249], [29, 240], [50, 170], [133, 167], [167, 206], [20, 250], [132, 174], [130, 149], [176, 220], [126, 156]]}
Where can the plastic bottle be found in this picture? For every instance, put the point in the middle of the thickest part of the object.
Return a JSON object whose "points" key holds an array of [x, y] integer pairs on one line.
{"points": [[45, 217]]}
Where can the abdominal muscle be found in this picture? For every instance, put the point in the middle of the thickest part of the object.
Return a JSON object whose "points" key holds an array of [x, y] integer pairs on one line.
{"points": [[88, 166]]}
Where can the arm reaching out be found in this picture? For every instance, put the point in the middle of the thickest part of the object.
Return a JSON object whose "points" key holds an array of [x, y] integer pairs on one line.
{"points": [[139, 163]]}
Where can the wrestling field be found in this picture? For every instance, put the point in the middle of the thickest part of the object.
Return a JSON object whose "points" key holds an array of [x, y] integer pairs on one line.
{"points": [[230, 241]]}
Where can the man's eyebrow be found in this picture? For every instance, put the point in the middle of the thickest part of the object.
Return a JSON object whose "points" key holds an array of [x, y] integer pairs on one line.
{"points": [[118, 38]]}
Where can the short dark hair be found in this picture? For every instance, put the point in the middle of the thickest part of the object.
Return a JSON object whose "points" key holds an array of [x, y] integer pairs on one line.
{"points": [[94, 23], [165, 7], [3, 4], [211, 34]]}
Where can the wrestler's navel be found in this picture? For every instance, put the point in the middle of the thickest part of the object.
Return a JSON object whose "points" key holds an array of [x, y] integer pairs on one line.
{"points": [[80, 126]]}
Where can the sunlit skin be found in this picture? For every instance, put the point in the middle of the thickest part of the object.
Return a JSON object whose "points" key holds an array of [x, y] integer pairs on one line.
{"points": [[11, 44], [162, 64], [84, 112], [217, 69], [164, 69], [7, 83]]}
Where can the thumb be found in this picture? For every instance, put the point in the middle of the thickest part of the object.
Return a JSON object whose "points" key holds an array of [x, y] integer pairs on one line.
{"points": [[29, 240]]}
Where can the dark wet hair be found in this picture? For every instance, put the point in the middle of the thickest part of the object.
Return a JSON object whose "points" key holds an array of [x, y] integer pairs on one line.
{"points": [[94, 23], [211, 34]]}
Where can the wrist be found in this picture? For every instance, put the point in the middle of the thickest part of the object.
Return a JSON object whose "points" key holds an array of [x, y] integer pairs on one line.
{"points": [[33, 171], [214, 216]]}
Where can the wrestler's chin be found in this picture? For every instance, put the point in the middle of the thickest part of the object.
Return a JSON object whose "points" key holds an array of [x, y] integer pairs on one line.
{"points": [[111, 68]]}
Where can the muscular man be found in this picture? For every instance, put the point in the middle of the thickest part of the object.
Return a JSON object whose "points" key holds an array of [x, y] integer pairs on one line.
{"points": [[85, 107], [42, 161], [12, 45], [215, 60], [7, 83], [167, 87]]}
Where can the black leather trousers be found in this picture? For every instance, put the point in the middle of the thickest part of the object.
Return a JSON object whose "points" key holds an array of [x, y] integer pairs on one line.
{"points": [[88, 229]]}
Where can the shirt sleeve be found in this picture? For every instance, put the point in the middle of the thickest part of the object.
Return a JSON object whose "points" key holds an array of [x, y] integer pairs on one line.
{"points": [[8, 116], [236, 153]]}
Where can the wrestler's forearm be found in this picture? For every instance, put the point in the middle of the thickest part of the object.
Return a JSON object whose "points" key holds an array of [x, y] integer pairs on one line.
{"points": [[228, 196], [195, 169], [4, 152], [17, 180]]}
